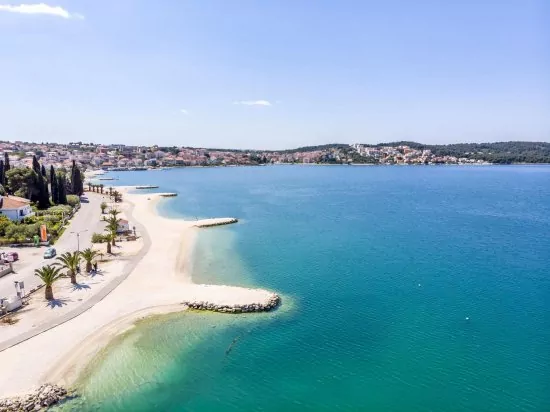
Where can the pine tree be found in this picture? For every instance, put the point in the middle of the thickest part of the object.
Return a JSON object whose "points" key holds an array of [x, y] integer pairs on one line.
{"points": [[53, 182]]}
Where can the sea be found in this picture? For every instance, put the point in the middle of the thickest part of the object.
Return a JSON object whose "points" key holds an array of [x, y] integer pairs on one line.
{"points": [[404, 288]]}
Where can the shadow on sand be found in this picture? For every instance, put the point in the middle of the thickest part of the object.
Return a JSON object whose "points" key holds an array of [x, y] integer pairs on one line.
{"points": [[57, 303], [80, 286]]}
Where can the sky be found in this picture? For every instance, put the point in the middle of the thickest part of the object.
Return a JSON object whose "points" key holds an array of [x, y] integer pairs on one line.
{"points": [[274, 74]]}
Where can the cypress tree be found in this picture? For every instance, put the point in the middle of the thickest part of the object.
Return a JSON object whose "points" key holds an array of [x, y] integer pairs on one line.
{"points": [[36, 166], [62, 189], [43, 170], [53, 181], [6, 162], [77, 186], [2, 174]]}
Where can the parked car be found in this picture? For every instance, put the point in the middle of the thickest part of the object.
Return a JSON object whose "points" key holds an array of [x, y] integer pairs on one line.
{"points": [[50, 253], [10, 256]]}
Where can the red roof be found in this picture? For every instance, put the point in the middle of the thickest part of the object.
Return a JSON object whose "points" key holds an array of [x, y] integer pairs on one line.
{"points": [[13, 202]]}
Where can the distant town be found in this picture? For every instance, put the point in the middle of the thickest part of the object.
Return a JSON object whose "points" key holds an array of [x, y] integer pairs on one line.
{"points": [[126, 157]]}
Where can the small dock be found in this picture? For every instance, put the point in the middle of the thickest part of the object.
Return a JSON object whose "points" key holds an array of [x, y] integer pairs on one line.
{"points": [[146, 187], [166, 194], [215, 222], [107, 178]]}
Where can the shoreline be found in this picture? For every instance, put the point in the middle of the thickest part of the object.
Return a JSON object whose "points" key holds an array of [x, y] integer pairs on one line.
{"points": [[160, 283]]}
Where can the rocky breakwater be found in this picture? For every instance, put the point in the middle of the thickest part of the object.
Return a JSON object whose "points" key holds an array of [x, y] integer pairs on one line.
{"points": [[215, 222], [41, 399], [269, 304]]}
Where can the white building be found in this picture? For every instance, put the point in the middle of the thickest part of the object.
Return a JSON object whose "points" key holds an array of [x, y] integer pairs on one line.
{"points": [[123, 226], [15, 208]]}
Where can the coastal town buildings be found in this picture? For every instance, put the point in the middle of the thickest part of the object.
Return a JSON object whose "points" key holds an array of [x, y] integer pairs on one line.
{"points": [[122, 157]]}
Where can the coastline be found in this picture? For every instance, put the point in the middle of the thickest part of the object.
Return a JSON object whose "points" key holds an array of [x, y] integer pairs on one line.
{"points": [[159, 284]]}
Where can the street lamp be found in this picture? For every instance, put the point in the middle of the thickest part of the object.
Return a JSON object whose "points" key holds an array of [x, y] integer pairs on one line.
{"points": [[78, 239]]}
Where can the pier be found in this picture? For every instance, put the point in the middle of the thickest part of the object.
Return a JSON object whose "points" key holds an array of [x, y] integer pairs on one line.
{"points": [[146, 187]]}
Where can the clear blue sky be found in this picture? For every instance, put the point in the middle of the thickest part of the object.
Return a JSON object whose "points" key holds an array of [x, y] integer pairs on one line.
{"points": [[274, 73]]}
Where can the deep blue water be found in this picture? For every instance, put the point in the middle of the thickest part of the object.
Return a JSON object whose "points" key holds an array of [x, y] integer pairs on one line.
{"points": [[405, 289]]}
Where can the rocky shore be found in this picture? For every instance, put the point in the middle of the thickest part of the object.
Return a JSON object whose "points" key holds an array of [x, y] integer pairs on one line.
{"points": [[41, 399], [270, 304]]}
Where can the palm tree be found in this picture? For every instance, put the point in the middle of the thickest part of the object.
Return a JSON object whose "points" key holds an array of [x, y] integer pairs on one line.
{"points": [[103, 207], [49, 274], [89, 187], [101, 188], [71, 262], [110, 191], [109, 237], [112, 227], [114, 212], [88, 255]]}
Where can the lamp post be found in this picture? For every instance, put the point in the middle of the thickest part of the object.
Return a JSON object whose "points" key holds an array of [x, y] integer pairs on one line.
{"points": [[78, 239]]}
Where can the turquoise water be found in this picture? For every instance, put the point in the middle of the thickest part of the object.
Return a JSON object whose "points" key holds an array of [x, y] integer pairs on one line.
{"points": [[406, 289]]}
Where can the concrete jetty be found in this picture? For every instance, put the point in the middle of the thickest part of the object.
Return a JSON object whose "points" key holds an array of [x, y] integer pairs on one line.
{"points": [[215, 222], [166, 194]]}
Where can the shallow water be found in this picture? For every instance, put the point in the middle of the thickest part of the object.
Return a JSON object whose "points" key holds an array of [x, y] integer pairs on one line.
{"points": [[406, 289]]}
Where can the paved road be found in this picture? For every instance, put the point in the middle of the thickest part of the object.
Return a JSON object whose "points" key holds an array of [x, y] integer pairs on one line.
{"points": [[87, 218], [132, 262]]}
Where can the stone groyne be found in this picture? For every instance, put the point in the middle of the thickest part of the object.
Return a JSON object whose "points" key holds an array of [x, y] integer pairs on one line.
{"points": [[146, 187], [41, 399], [271, 303], [215, 222]]}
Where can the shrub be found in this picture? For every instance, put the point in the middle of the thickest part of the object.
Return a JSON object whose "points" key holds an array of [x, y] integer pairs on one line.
{"points": [[98, 238], [4, 223], [73, 200]]}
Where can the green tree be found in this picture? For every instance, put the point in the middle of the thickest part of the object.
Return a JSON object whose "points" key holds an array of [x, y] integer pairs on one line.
{"points": [[4, 223], [43, 171], [71, 262], [77, 186], [89, 255], [6, 162], [53, 184], [49, 274], [112, 227], [103, 207], [61, 188], [22, 181], [2, 173]]}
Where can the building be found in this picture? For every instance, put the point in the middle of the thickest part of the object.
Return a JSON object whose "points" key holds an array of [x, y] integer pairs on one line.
{"points": [[123, 226], [15, 208]]}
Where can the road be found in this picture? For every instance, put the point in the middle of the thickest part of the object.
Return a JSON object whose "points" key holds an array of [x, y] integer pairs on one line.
{"points": [[30, 258]]}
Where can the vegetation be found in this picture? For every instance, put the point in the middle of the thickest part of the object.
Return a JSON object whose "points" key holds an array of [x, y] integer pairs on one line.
{"points": [[76, 185], [71, 262], [73, 200], [89, 255], [112, 227], [98, 238], [499, 153], [103, 207], [49, 274]]}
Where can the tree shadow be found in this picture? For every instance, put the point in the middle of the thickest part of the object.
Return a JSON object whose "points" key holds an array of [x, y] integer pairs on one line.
{"points": [[57, 303], [80, 286], [95, 273]]}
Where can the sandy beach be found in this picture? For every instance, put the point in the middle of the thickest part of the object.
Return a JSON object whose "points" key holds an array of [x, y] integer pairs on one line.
{"points": [[159, 283]]}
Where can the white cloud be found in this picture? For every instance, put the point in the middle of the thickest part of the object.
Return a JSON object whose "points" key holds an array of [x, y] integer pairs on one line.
{"points": [[40, 8], [253, 102], [185, 112]]}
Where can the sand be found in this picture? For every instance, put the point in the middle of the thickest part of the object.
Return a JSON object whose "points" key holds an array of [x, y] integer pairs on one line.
{"points": [[158, 284]]}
